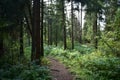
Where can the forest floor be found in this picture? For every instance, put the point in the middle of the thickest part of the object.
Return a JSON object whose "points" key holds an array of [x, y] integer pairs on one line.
{"points": [[58, 70]]}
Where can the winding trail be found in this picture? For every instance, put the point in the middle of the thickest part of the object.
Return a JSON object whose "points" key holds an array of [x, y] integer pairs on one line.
{"points": [[58, 70]]}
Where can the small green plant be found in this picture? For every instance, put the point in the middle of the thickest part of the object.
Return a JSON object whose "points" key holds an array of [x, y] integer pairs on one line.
{"points": [[45, 61]]}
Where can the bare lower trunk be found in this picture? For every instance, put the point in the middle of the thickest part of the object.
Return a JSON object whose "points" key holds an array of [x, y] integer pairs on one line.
{"points": [[36, 15], [50, 35], [21, 40], [1, 45], [42, 15], [95, 32], [56, 36], [64, 31], [81, 26]]}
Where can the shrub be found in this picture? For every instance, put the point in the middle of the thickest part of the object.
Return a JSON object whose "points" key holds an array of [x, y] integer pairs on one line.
{"points": [[24, 72]]}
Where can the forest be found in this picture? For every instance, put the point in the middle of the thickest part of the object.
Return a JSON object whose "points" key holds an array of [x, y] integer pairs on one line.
{"points": [[59, 39]]}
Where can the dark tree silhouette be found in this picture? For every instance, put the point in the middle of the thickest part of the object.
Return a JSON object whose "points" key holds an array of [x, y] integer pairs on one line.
{"points": [[21, 39], [72, 36], [42, 16], [36, 24]]}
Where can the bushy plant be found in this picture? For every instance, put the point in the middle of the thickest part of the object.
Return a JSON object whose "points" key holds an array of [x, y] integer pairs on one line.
{"points": [[99, 66], [24, 72], [27, 52]]}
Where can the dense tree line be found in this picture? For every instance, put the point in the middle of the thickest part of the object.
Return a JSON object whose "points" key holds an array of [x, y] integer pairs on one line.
{"points": [[47, 22]]}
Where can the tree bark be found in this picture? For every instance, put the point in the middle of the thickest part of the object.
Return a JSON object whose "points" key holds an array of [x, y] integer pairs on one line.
{"points": [[50, 32], [95, 32], [21, 40], [64, 31], [72, 24], [33, 34], [42, 15], [48, 24], [56, 36], [45, 27], [36, 15], [81, 26], [1, 44], [28, 25]]}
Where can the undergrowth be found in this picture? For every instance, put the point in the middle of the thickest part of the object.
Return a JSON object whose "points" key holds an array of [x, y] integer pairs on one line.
{"points": [[14, 67], [24, 72], [89, 65]]}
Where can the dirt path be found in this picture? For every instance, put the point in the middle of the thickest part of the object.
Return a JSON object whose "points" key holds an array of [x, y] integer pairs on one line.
{"points": [[58, 71]]}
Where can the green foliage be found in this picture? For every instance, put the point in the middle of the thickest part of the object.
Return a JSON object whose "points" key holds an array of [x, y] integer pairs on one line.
{"points": [[24, 72], [90, 65], [27, 52], [109, 44], [11, 54], [83, 49], [98, 65], [109, 41], [87, 29], [69, 43], [14, 67], [47, 49], [45, 61]]}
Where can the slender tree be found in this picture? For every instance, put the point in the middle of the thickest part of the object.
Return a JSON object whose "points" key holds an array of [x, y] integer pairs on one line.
{"points": [[72, 36], [49, 24], [33, 34], [95, 31], [42, 16], [51, 30], [81, 26], [56, 32], [21, 39], [63, 22], [1, 44], [45, 28]]}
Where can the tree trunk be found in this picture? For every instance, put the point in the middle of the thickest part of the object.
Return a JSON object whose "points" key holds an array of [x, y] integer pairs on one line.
{"points": [[1, 45], [64, 31], [33, 35], [72, 24], [81, 26], [29, 39], [56, 35], [48, 24], [50, 30], [36, 15], [45, 28], [95, 32], [33, 45], [42, 15], [21, 40]]}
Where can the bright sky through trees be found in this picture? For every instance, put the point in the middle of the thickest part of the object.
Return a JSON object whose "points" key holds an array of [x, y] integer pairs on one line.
{"points": [[68, 8], [78, 14]]}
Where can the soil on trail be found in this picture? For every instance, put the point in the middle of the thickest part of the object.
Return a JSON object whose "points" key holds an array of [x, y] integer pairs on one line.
{"points": [[58, 71]]}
